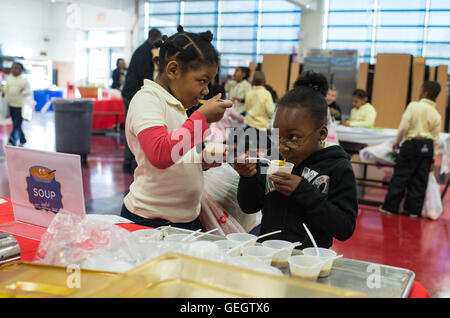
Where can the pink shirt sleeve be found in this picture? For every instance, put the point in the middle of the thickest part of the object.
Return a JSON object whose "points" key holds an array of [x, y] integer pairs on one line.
{"points": [[158, 144]]}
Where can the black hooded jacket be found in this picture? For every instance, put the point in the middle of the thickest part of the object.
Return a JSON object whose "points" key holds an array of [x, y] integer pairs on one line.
{"points": [[325, 200]]}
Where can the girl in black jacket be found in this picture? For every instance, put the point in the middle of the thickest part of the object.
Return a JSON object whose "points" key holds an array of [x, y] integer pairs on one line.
{"points": [[321, 191]]}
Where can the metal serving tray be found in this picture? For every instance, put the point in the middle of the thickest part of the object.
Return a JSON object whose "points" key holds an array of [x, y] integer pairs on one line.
{"points": [[375, 280]]}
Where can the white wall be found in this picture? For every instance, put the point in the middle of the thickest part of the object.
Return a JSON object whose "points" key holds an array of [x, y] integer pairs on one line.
{"points": [[312, 28], [38, 29]]}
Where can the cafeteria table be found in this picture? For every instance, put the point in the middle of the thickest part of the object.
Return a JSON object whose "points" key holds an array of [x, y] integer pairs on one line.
{"points": [[28, 247], [107, 113]]}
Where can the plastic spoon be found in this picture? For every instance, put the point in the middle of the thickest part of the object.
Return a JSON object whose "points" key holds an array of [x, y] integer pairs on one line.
{"points": [[190, 235], [294, 245], [259, 158], [257, 238], [203, 234], [312, 239]]}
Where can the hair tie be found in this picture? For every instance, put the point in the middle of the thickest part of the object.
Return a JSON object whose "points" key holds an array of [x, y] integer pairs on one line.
{"points": [[314, 86], [207, 36]]}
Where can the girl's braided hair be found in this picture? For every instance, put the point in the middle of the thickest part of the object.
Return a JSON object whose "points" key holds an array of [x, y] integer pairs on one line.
{"points": [[191, 50]]}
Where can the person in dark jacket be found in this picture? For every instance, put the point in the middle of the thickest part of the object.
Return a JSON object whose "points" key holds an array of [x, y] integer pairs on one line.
{"points": [[141, 67], [118, 75], [335, 109], [321, 190]]}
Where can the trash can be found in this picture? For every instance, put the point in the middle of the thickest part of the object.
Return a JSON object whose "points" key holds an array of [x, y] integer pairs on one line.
{"points": [[73, 122]]}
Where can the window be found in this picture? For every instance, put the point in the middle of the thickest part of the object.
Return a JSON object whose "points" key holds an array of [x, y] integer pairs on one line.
{"points": [[243, 30], [417, 27]]}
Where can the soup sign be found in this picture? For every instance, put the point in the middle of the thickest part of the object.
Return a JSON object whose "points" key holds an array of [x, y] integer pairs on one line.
{"points": [[44, 192]]}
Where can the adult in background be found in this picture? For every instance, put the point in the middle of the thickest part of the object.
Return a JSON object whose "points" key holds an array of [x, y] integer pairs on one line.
{"points": [[118, 75], [141, 67], [16, 90]]}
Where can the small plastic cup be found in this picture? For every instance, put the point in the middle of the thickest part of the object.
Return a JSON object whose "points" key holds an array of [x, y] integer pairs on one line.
{"points": [[215, 148], [242, 237], [305, 266], [280, 165], [325, 255], [226, 245], [148, 234], [261, 253], [176, 237], [283, 249]]}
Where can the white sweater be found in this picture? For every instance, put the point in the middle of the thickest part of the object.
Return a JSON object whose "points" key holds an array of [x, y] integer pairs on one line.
{"points": [[17, 88]]}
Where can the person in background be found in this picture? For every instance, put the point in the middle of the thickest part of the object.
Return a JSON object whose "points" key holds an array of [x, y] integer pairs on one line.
{"points": [[363, 113], [239, 91], [420, 126], [17, 88], [335, 110], [259, 106], [118, 75], [321, 191], [141, 67], [168, 184]]}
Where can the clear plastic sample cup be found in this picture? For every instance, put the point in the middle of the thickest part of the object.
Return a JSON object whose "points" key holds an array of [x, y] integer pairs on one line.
{"points": [[305, 266], [327, 256], [148, 235], [242, 237], [226, 245], [261, 253], [280, 165], [283, 249], [176, 237]]}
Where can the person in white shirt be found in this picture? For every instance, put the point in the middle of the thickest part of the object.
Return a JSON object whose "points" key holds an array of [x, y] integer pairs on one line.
{"points": [[17, 88]]}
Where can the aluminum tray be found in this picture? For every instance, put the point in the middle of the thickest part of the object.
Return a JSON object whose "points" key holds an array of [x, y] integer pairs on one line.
{"points": [[375, 280]]}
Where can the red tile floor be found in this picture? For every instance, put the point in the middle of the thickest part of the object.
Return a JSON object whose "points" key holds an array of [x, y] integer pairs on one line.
{"points": [[419, 244]]}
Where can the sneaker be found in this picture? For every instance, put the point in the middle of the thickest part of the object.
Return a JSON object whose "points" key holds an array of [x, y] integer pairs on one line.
{"points": [[411, 215], [21, 145], [380, 208]]}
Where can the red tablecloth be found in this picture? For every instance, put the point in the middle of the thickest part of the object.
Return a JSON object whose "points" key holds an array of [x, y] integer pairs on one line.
{"points": [[103, 121], [29, 247]]}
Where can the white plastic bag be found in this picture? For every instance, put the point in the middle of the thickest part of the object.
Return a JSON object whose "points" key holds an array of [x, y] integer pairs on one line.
{"points": [[332, 137], [214, 216], [221, 184], [381, 153], [432, 206], [28, 108]]}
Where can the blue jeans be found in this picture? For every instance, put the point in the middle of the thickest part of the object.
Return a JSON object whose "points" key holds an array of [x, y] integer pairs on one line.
{"points": [[154, 223], [17, 132]]}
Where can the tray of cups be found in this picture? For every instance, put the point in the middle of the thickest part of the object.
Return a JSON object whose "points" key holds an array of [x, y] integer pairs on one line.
{"points": [[375, 280]]}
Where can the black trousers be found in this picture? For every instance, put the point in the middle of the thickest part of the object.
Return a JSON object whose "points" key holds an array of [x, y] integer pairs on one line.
{"points": [[410, 176], [17, 134], [154, 223]]}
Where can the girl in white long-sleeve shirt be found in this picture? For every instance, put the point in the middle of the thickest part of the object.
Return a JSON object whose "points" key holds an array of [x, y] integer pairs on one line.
{"points": [[16, 90]]}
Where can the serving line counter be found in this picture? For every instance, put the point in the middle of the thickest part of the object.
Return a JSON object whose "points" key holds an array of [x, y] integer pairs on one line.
{"points": [[346, 274]]}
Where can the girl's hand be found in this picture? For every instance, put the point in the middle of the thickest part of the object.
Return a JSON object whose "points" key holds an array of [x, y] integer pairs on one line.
{"points": [[210, 163], [214, 109], [285, 183], [245, 169]]}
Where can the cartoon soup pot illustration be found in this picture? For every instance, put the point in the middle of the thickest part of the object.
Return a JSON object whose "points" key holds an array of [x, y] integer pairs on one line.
{"points": [[44, 191]]}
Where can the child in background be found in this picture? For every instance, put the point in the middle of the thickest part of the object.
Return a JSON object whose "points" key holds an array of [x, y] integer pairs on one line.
{"points": [[168, 185], [420, 126], [17, 88], [363, 113], [239, 91], [259, 104], [321, 191], [334, 108]]}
